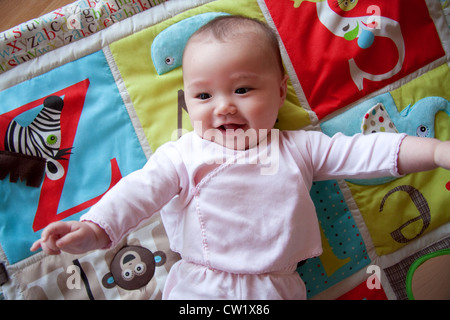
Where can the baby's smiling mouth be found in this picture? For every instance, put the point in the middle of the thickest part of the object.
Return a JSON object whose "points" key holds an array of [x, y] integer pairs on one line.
{"points": [[231, 127]]}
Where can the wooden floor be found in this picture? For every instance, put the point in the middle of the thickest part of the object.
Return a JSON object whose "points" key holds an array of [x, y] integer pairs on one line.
{"points": [[14, 12]]}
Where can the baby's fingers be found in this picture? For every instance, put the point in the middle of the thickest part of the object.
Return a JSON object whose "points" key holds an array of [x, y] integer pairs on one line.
{"points": [[49, 247], [75, 242], [50, 236], [36, 245], [56, 229]]}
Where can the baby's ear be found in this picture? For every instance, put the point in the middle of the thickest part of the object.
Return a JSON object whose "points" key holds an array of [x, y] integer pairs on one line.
{"points": [[283, 89]]}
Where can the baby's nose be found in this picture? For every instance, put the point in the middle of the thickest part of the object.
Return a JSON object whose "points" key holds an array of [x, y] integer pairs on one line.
{"points": [[225, 107]]}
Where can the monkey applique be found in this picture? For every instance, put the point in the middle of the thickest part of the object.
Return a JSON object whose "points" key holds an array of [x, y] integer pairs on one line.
{"points": [[133, 267]]}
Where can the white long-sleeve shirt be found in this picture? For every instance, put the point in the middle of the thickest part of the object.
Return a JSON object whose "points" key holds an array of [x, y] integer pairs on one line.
{"points": [[212, 208], [242, 212]]}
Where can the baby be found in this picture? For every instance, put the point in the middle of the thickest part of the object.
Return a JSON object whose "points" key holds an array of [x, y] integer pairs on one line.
{"points": [[240, 231]]}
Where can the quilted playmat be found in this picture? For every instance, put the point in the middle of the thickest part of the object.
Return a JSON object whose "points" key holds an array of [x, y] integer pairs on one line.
{"points": [[88, 93]]}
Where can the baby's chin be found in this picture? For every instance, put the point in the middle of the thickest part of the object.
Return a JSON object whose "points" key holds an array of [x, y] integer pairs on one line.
{"points": [[236, 139]]}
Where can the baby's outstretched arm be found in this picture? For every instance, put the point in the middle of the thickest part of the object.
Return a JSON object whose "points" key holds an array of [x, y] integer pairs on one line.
{"points": [[72, 236], [422, 154]]}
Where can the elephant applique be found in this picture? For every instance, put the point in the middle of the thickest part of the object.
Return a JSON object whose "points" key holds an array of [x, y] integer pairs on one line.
{"points": [[168, 46]]}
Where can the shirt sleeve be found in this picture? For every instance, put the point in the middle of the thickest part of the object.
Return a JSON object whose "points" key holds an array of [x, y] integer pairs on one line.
{"points": [[359, 156], [136, 197]]}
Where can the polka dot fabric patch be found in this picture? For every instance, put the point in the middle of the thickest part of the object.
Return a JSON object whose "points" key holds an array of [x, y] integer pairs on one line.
{"points": [[344, 251], [377, 120]]}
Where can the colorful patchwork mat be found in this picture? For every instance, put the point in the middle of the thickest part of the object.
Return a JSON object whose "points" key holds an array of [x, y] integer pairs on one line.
{"points": [[88, 93]]}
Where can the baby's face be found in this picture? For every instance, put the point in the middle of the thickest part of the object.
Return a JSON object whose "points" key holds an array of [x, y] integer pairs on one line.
{"points": [[233, 90]]}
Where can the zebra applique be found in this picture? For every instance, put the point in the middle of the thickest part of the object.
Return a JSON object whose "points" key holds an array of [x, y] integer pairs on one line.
{"points": [[41, 138]]}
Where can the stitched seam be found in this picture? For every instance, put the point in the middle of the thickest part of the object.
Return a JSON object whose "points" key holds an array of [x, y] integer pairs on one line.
{"points": [[200, 217], [217, 170], [203, 231]]}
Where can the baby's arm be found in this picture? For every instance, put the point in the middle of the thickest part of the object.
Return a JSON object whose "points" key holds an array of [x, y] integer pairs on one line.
{"points": [[133, 199], [72, 236], [422, 154]]}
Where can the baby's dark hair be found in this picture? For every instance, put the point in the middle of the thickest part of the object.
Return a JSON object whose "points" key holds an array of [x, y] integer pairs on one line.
{"points": [[225, 28]]}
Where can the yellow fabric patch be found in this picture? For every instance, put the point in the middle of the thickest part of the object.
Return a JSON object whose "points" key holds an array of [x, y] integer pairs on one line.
{"points": [[433, 83]]}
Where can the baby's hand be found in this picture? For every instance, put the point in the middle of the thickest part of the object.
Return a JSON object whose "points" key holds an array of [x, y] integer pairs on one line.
{"points": [[442, 155], [72, 236], [422, 154]]}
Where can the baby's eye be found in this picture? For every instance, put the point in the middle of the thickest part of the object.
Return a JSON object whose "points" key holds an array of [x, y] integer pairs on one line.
{"points": [[242, 90], [204, 96]]}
